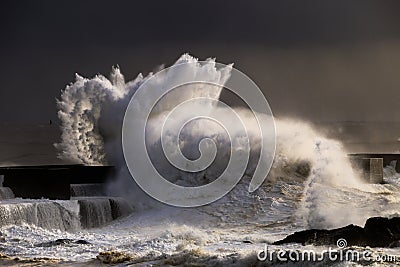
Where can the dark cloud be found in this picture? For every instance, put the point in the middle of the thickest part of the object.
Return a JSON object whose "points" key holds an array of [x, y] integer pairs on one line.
{"points": [[116, 23], [322, 60]]}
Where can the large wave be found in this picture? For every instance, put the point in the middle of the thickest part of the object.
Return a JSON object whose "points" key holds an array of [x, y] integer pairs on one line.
{"points": [[92, 110]]}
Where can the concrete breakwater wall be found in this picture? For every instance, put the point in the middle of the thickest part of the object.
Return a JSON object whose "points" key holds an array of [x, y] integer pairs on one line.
{"points": [[65, 197], [52, 181], [66, 215], [372, 164]]}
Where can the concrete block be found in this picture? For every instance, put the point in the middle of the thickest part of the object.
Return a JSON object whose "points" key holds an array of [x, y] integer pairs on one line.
{"points": [[376, 170]]}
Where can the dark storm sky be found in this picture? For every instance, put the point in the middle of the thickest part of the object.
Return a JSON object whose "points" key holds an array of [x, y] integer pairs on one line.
{"points": [[320, 60]]}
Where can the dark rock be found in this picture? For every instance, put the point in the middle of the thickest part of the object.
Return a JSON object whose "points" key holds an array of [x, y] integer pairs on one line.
{"points": [[377, 232], [395, 244], [113, 257], [65, 241], [82, 242]]}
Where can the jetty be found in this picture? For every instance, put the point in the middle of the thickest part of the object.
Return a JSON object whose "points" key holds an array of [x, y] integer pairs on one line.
{"points": [[371, 164], [52, 181]]}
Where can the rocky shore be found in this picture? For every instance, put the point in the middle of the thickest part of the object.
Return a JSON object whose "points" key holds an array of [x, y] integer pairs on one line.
{"points": [[377, 232]]}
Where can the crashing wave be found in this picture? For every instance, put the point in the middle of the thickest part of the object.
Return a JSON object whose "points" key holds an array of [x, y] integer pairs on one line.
{"points": [[91, 112]]}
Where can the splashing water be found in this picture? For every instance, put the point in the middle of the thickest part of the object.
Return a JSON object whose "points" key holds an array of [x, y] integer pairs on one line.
{"points": [[91, 112]]}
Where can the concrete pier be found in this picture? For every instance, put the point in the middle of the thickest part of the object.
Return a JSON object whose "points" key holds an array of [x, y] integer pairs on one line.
{"points": [[371, 168], [372, 164], [386, 157], [51, 181]]}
